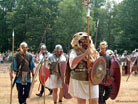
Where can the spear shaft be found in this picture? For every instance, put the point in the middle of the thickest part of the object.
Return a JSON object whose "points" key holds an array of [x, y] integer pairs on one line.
{"points": [[89, 57], [42, 39], [96, 33], [88, 6], [12, 65]]}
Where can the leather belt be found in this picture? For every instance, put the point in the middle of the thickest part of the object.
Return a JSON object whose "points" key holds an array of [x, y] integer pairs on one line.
{"points": [[82, 76], [80, 70]]}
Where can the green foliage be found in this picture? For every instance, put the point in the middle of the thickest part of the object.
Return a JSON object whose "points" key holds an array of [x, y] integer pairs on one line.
{"points": [[70, 20], [117, 23]]}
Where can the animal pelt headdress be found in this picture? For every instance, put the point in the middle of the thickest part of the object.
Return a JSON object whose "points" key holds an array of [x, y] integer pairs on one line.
{"points": [[79, 49]]}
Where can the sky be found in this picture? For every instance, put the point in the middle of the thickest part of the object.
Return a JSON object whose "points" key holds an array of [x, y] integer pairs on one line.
{"points": [[118, 1]]}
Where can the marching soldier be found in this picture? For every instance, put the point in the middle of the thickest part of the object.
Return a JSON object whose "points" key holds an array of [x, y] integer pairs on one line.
{"points": [[125, 61], [55, 79], [23, 66], [105, 87], [133, 58], [43, 51], [78, 58]]}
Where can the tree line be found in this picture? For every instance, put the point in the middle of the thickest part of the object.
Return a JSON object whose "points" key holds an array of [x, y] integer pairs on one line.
{"points": [[118, 23]]}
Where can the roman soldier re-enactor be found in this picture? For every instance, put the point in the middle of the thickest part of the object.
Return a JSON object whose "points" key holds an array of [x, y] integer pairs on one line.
{"points": [[133, 59], [23, 67], [125, 60], [78, 61], [55, 80], [136, 61], [105, 87], [43, 51]]}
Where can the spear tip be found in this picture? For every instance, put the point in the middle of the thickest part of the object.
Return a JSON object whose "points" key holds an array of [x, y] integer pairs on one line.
{"points": [[13, 33]]}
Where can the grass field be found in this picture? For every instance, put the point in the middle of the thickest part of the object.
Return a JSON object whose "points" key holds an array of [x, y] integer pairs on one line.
{"points": [[128, 93]]}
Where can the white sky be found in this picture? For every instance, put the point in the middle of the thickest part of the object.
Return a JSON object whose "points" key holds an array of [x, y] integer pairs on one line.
{"points": [[118, 1]]}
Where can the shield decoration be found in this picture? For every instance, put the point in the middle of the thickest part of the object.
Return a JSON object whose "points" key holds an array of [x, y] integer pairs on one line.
{"points": [[98, 70], [115, 68], [43, 74]]}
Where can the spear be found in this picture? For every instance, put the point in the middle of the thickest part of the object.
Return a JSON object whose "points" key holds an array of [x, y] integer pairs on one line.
{"points": [[131, 66], [38, 66], [44, 75], [96, 32], [12, 64], [88, 6], [42, 39]]}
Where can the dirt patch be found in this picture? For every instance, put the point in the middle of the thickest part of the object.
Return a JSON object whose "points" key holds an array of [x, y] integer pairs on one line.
{"points": [[128, 93]]}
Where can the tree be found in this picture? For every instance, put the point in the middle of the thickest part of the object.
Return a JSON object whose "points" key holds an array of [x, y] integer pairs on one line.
{"points": [[71, 19]]}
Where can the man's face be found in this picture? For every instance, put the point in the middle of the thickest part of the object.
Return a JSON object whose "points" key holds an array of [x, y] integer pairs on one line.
{"points": [[24, 49], [58, 52], [84, 43], [43, 50], [103, 50]]}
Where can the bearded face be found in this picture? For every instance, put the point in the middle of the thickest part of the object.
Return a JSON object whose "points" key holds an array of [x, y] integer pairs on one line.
{"points": [[58, 53], [80, 44], [84, 42]]}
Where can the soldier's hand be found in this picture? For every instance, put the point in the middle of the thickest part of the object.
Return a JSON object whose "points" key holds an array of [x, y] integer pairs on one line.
{"points": [[36, 61], [87, 52]]}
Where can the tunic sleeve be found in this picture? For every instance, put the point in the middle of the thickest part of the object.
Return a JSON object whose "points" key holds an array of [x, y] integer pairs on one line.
{"points": [[72, 56]]}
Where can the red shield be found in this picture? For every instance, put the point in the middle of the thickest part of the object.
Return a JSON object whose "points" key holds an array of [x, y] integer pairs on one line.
{"points": [[115, 68], [98, 70], [43, 74]]}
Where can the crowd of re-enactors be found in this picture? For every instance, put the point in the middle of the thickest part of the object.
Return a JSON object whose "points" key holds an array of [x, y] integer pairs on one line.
{"points": [[125, 59], [6, 57], [77, 58]]}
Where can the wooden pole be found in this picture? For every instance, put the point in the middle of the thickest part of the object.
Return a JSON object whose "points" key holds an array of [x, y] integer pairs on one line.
{"points": [[39, 86], [12, 65], [89, 58], [96, 32], [131, 66], [44, 75], [88, 6]]}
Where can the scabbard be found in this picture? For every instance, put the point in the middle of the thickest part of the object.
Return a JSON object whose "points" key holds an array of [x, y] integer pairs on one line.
{"points": [[14, 82]]}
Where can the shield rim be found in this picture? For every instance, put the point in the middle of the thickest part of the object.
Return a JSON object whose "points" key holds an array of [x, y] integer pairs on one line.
{"points": [[112, 96], [100, 58]]}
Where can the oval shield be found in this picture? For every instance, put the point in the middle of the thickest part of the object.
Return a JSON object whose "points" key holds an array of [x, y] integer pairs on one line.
{"points": [[43, 74], [98, 70], [62, 66], [117, 78]]}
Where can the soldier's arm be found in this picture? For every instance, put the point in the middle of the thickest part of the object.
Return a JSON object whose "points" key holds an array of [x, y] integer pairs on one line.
{"points": [[32, 66], [33, 72], [77, 59]]}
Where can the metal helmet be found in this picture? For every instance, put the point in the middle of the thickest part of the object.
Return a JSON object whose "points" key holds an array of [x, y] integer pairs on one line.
{"points": [[43, 46], [115, 51], [109, 52], [23, 44], [125, 52], [58, 47], [103, 44]]}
